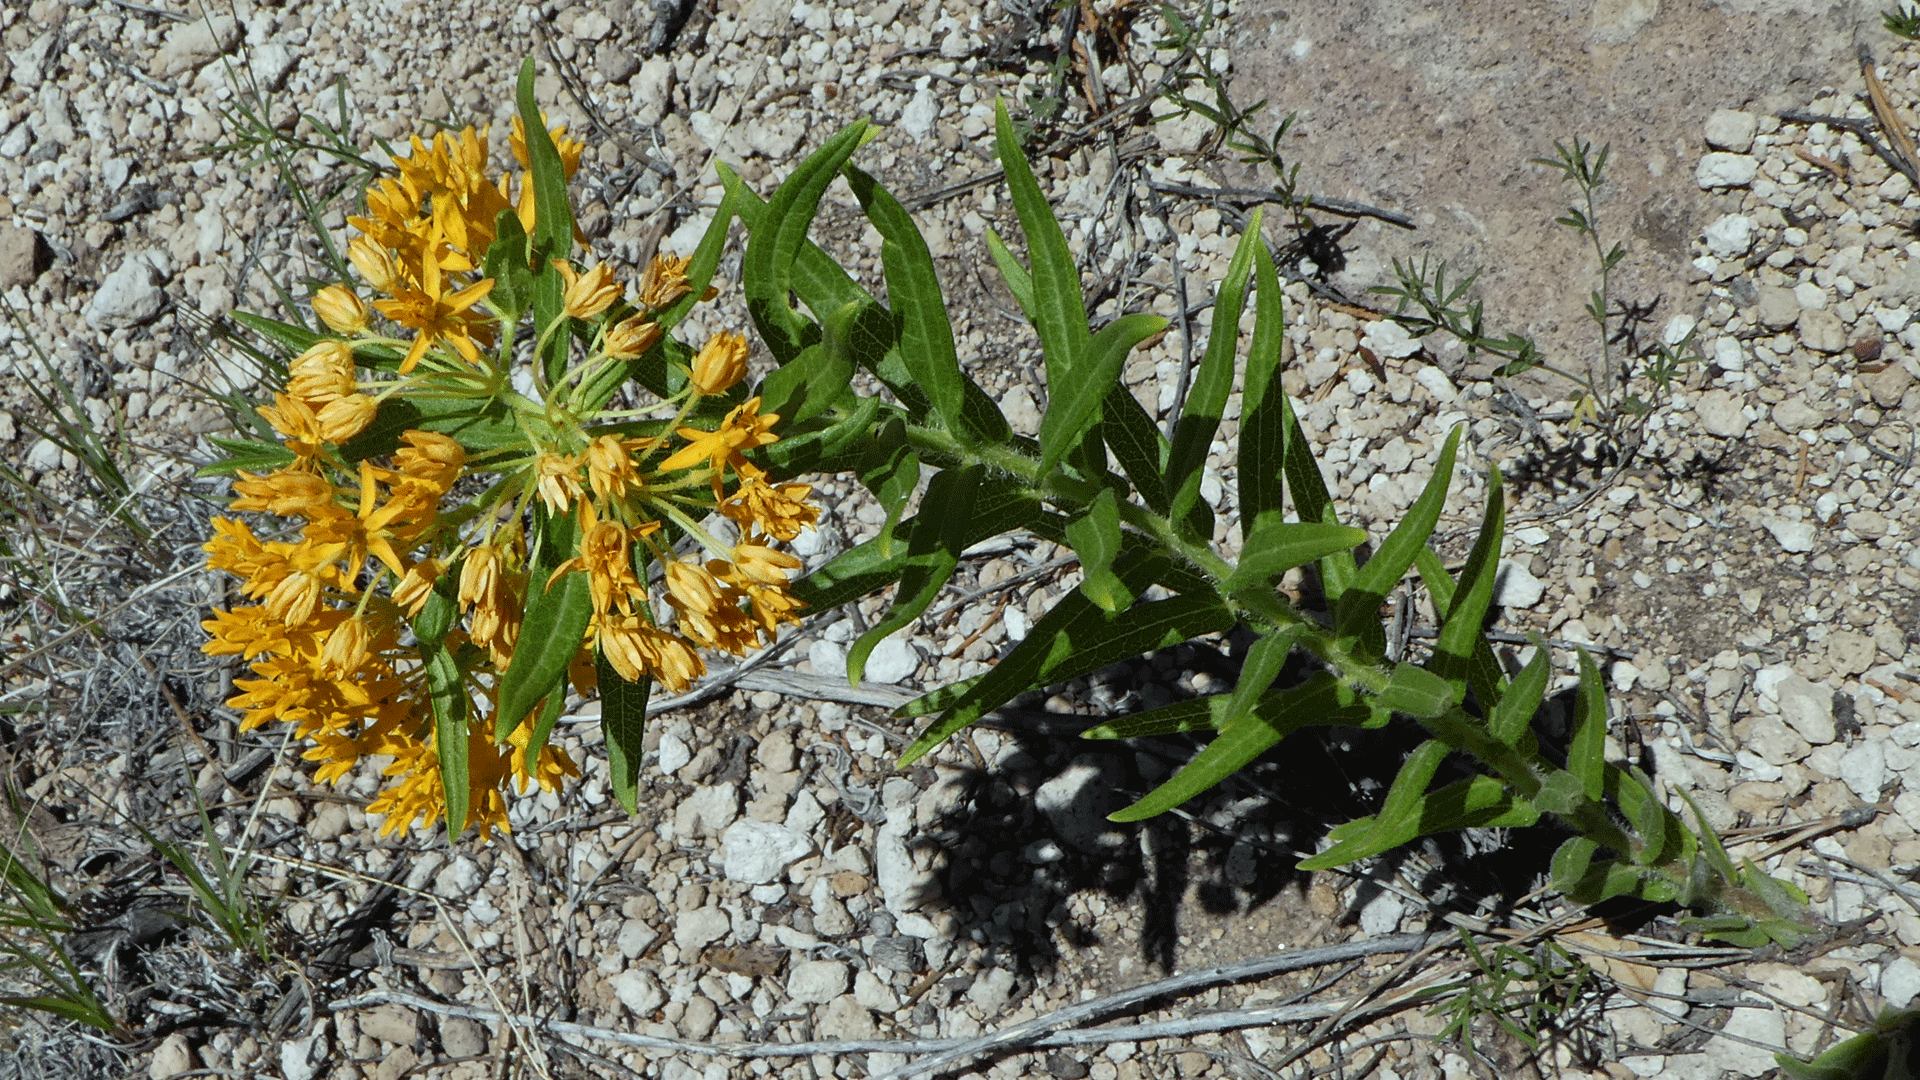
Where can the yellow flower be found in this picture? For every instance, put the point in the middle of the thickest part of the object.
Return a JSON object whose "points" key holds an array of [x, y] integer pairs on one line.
{"points": [[374, 263], [610, 468], [344, 417], [417, 585], [588, 294], [744, 429], [779, 510], [663, 282], [346, 648], [559, 480], [289, 493], [295, 421], [340, 309], [721, 363], [637, 648], [430, 457], [434, 313], [486, 589], [606, 556], [631, 337]]}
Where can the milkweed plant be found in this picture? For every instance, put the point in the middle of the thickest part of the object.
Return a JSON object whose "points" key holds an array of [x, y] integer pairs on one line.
{"points": [[482, 526]]}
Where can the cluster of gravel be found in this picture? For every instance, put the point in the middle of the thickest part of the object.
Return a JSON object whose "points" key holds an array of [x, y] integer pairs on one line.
{"points": [[1752, 575]]}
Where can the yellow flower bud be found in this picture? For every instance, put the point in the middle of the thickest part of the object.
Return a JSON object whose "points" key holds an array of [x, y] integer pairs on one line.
{"points": [[632, 337], [413, 590], [346, 647], [345, 417], [721, 363], [339, 308], [590, 293], [374, 264]]}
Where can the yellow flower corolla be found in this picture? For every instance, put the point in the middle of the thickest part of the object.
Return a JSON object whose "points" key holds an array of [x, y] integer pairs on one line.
{"points": [[720, 363]]}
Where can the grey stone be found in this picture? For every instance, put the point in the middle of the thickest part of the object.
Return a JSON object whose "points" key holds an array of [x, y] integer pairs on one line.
{"points": [[1887, 386], [1864, 769], [1850, 652], [1517, 587], [1721, 414], [191, 44], [1730, 237], [918, 117], [892, 662], [872, 992], [1764, 1027], [708, 811], [1075, 802], [1822, 331], [1777, 308], [818, 981], [697, 929], [639, 991], [462, 1038], [673, 753], [1807, 708], [171, 1058], [1792, 536], [131, 294], [1795, 415], [24, 255], [1723, 170], [1774, 742], [1382, 914], [1867, 525], [701, 1017], [757, 852], [391, 1023], [1731, 130], [635, 938], [845, 1018], [1900, 982], [300, 1059], [990, 991]]}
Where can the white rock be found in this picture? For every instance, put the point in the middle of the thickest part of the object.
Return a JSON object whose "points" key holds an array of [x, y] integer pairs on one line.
{"points": [[1730, 237], [845, 1018], [892, 662], [1794, 536], [1389, 340], [1900, 982], [1728, 355], [1810, 296], [172, 1057], [902, 883], [1822, 331], [1382, 915], [1075, 802], [1807, 707], [131, 294], [990, 991], [1732, 130], [829, 659], [872, 992], [1864, 769], [1678, 329], [707, 812], [1721, 170], [1436, 383], [1763, 1026], [193, 43], [674, 753], [1721, 414], [1774, 743], [639, 991], [457, 879], [635, 938], [44, 455], [755, 852], [652, 88], [920, 113], [300, 1059], [818, 981], [1517, 587], [694, 930]]}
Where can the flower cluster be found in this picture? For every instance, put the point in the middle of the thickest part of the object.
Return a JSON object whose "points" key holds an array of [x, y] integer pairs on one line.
{"points": [[383, 521]]}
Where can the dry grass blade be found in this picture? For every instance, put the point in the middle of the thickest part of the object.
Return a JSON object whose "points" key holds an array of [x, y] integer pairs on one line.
{"points": [[1890, 122]]}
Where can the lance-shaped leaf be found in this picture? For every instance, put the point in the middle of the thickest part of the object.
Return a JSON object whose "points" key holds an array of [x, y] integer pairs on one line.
{"points": [[1019, 281], [506, 262], [1586, 756], [1511, 718], [1073, 407], [1484, 674], [1417, 692], [779, 236], [1398, 820], [1263, 428], [447, 693], [551, 633], [623, 720], [1320, 701], [1275, 547], [1095, 537], [1137, 445], [1310, 498], [246, 455], [479, 426], [913, 292], [1357, 612], [1196, 714], [1461, 654], [932, 556], [1074, 638], [1059, 314], [820, 377], [1653, 824], [1213, 381], [552, 225], [999, 506]]}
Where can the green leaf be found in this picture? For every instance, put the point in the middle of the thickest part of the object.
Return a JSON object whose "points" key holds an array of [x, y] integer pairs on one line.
{"points": [[817, 379], [1320, 701], [477, 425], [550, 634], [447, 691], [1357, 612], [623, 720], [297, 339], [246, 455], [1073, 405], [1095, 537], [1059, 315], [506, 262], [1586, 757], [1513, 716], [931, 558], [767, 270], [1310, 498], [1137, 445], [1462, 655], [1417, 692], [1274, 546], [1197, 714], [1651, 821], [913, 292], [1019, 282], [438, 613], [550, 710], [1479, 802], [1262, 665], [1571, 861], [1263, 430], [1074, 638], [1398, 820], [552, 226], [1560, 792], [1000, 506], [1213, 381]]}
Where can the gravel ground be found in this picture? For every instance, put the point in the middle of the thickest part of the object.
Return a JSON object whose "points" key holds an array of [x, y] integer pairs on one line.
{"points": [[1750, 570]]}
